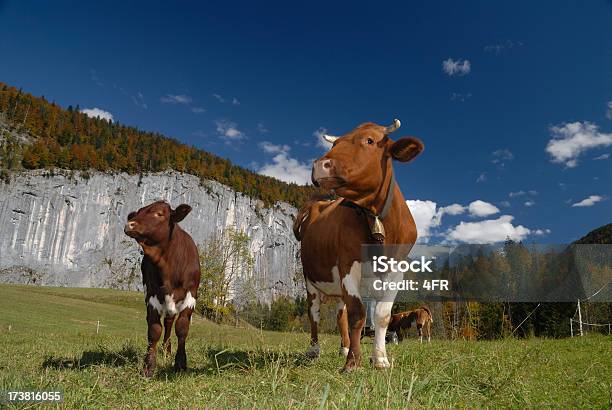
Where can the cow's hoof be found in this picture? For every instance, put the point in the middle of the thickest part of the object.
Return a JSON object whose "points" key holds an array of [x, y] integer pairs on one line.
{"points": [[147, 372], [313, 352], [349, 368], [180, 365], [344, 351], [380, 363]]}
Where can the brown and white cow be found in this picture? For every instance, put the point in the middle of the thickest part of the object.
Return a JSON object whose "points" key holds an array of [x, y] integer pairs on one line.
{"points": [[170, 275], [401, 322], [358, 168]]}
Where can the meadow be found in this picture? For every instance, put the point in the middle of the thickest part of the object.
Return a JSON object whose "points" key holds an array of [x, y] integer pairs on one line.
{"points": [[48, 341]]}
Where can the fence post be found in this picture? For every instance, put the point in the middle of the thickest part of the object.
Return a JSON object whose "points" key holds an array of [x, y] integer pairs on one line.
{"points": [[97, 326], [571, 328], [580, 318]]}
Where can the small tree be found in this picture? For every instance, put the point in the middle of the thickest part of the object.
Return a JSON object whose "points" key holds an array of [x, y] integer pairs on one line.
{"points": [[224, 258]]}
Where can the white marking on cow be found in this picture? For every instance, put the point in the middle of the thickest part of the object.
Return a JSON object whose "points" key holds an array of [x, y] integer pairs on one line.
{"points": [[382, 315], [170, 307], [344, 351], [154, 303], [315, 305], [188, 302], [352, 280]]}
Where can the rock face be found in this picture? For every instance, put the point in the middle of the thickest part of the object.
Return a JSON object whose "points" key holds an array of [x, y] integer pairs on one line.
{"points": [[66, 230]]}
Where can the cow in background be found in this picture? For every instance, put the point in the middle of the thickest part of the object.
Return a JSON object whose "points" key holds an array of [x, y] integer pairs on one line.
{"points": [[401, 322], [170, 275], [370, 210]]}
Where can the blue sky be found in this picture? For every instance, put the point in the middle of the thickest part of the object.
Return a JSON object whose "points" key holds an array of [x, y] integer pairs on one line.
{"points": [[512, 123]]}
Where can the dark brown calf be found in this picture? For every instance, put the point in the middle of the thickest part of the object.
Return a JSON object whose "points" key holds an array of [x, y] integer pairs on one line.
{"points": [[401, 322], [371, 210], [170, 275]]}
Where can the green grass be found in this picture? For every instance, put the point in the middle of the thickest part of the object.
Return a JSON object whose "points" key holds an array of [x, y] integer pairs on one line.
{"points": [[53, 344]]}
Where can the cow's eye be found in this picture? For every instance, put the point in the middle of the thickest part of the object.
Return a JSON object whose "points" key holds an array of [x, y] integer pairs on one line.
{"points": [[370, 141], [159, 214]]}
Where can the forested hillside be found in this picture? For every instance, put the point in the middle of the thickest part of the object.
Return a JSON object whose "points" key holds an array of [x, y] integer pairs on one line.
{"points": [[601, 235], [68, 139]]}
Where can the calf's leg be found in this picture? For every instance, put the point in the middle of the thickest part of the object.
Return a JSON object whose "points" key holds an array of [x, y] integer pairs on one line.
{"points": [[167, 345], [182, 330], [154, 333]]}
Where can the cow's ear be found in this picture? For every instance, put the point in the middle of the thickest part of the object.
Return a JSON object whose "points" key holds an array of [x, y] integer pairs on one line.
{"points": [[406, 149], [180, 213], [132, 215]]}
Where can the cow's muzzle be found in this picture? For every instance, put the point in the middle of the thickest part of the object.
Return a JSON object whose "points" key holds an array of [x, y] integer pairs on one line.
{"points": [[130, 229], [324, 174]]}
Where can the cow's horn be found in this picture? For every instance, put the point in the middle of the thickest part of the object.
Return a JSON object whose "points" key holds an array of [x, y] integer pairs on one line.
{"points": [[330, 138], [396, 124]]}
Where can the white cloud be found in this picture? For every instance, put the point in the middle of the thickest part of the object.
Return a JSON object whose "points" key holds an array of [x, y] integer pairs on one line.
{"points": [[517, 193], [261, 127], [505, 204], [139, 100], [602, 157], [198, 110], [425, 217], [590, 201], [460, 97], [609, 110], [482, 208], [456, 67], [283, 167], [489, 231], [219, 98], [570, 140], [228, 130], [501, 156], [321, 143], [271, 148], [498, 48], [453, 209], [97, 113], [235, 101], [481, 178], [529, 203], [176, 99], [428, 216]]}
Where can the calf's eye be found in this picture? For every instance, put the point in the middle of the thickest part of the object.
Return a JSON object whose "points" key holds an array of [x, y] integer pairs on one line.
{"points": [[370, 141]]}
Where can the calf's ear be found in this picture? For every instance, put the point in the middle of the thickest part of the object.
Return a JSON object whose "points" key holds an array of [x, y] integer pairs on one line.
{"points": [[406, 149], [132, 215], [180, 213]]}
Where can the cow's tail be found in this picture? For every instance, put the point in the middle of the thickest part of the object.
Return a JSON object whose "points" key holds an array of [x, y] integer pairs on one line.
{"points": [[299, 220], [302, 216], [425, 308]]}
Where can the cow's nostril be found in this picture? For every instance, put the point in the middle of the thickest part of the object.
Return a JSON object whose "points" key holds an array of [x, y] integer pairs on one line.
{"points": [[327, 164]]}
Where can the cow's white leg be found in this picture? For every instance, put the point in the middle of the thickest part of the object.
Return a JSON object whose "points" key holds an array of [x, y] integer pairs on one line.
{"points": [[314, 306], [342, 319], [382, 316]]}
